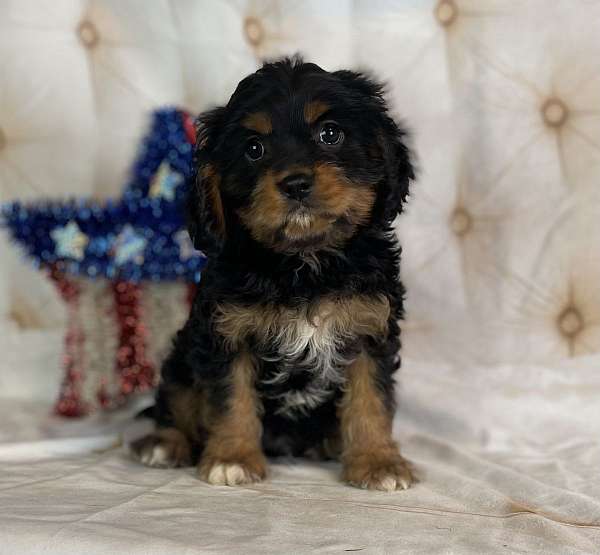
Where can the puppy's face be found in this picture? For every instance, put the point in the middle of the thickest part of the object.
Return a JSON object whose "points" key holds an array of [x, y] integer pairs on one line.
{"points": [[299, 157]]}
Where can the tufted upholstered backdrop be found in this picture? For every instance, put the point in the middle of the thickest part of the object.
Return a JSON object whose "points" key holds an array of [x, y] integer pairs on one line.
{"points": [[499, 398], [502, 234]]}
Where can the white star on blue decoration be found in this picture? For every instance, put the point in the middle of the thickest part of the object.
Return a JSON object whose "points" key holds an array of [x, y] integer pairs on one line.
{"points": [[130, 238], [164, 182], [129, 246], [70, 241]]}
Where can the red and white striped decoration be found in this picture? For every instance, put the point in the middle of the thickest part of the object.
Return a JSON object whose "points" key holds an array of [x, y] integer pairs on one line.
{"points": [[117, 335]]}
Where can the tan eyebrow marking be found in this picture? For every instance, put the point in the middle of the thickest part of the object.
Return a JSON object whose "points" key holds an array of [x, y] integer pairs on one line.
{"points": [[259, 122], [314, 110]]}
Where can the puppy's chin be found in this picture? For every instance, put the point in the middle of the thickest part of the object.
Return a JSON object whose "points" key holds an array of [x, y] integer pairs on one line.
{"points": [[303, 223], [299, 219], [307, 230]]}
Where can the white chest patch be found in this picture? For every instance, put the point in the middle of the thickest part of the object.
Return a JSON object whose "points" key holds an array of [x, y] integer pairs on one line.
{"points": [[314, 346], [315, 337]]}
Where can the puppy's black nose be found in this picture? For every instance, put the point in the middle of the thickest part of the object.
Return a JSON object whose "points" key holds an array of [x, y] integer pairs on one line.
{"points": [[296, 186]]}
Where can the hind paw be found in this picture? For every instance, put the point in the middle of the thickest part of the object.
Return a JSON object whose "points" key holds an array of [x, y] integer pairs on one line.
{"points": [[166, 448]]}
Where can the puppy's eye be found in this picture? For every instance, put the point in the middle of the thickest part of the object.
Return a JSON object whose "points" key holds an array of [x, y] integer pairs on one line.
{"points": [[331, 134], [254, 149]]}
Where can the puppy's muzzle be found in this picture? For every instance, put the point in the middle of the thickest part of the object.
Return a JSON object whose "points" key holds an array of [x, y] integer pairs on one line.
{"points": [[296, 186]]}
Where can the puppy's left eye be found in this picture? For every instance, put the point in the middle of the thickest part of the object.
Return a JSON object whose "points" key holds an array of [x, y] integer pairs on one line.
{"points": [[331, 134], [254, 149]]}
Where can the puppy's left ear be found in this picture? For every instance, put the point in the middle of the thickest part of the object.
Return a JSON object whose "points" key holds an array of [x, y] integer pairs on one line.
{"points": [[397, 166], [205, 211], [390, 143]]}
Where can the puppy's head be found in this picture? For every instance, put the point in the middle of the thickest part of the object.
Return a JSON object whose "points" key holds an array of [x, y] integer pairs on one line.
{"points": [[300, 157]]}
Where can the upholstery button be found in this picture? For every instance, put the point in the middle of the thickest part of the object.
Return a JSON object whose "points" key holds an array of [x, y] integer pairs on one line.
{"points": [[88, 34], [570, 322], [446, 12], [554, 112], [254, 31], [460, 222]]}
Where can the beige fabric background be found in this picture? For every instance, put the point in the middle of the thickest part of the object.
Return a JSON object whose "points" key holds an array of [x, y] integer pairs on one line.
{"points": [[501, 237]]}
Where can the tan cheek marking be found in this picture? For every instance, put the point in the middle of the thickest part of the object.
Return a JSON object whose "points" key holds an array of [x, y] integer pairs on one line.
{"points": [[259, 122], [330, 188], [339, 196], [314, 110], [266, 211], [362, 204]]}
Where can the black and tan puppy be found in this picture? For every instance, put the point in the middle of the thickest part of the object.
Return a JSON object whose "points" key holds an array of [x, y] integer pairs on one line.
{"points": [[293, 338]]}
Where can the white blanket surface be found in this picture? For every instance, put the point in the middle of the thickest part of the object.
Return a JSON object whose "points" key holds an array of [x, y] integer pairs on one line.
{"points": [[502, 469]]}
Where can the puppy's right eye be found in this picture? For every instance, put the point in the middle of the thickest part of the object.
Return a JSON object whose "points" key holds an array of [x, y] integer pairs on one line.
{"points": [[331, 134], [254, 149]]}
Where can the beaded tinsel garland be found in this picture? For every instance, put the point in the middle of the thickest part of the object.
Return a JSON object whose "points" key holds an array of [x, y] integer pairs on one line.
{"points": [[125, 269]]}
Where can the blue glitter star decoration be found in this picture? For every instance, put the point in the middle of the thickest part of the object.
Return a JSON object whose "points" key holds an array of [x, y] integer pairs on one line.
{"points": [[140, 236]]}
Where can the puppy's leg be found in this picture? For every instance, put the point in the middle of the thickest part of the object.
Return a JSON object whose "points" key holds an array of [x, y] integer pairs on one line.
{"points": [[233, 454], [370, 457]]}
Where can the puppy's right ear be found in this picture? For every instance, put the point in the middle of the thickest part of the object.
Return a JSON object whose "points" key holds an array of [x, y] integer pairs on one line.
{"points": [[205, 214]]}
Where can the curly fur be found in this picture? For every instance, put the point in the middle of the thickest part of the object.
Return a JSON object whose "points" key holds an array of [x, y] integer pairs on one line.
{"points": [[306, 291]]}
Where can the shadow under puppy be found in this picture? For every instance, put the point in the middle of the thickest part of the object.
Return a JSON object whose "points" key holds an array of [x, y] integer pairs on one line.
{"points": [[293, 338]]}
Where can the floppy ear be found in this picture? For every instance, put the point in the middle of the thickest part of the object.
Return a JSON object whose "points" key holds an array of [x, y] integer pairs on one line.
{"points": [[398, 169], [205, 215], [397, 166]]}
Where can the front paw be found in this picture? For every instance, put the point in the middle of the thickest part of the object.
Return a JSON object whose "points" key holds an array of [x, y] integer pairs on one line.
{"points": [[233, 472], [384, 473]]}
